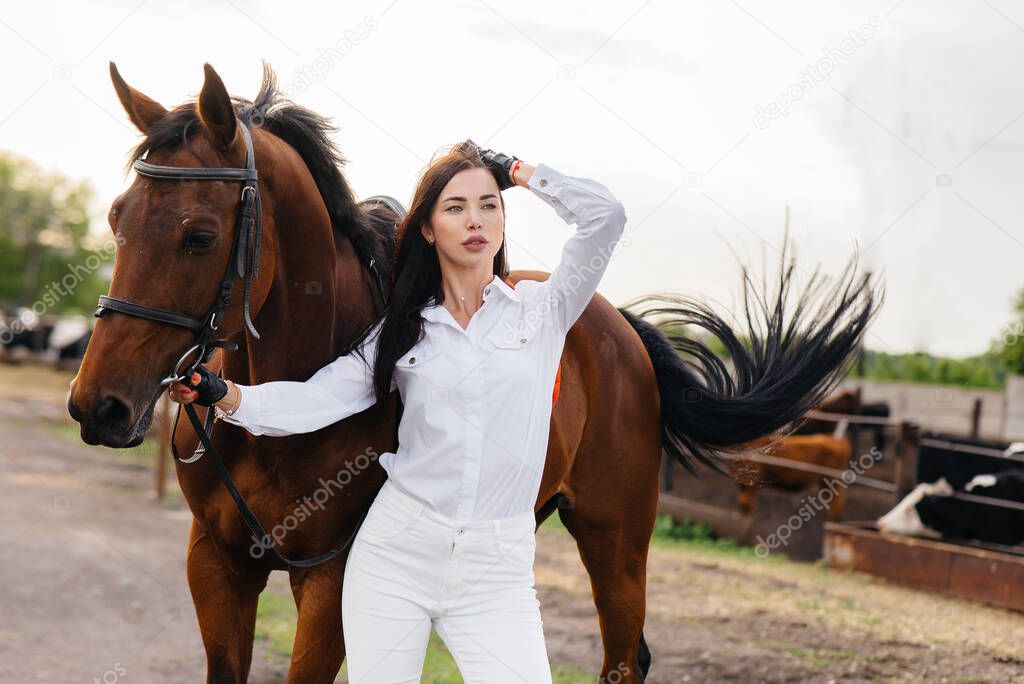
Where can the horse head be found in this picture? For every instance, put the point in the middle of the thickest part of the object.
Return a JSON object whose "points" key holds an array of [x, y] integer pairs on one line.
{"points": [[176, 237]]}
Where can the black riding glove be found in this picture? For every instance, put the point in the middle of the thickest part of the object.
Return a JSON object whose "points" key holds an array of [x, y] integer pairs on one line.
{"points": [[499, 164], [210, 388]]}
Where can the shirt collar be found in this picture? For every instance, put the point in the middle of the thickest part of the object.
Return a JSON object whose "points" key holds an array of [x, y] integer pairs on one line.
{"points": [[432, 311]]}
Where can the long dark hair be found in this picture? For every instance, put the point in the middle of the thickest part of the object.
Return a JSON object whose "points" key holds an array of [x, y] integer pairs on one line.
{"points": [[416, 271]]}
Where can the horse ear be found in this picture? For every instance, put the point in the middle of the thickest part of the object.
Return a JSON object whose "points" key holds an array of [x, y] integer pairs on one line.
{"points": [[143, 111], [215, 109]]}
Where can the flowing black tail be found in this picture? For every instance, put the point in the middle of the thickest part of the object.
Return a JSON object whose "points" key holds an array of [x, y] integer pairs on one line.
{"points": [[790, 357]]}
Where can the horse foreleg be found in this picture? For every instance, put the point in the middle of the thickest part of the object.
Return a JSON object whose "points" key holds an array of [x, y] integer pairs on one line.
{"points": [[319, 647], [225, 599]]}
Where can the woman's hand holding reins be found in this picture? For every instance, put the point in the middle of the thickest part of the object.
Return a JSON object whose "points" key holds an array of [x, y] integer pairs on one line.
{"points": [[206, 389]]}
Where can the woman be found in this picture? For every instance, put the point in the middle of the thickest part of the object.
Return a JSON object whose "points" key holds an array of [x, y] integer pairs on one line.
{"points": [[449, 540]]}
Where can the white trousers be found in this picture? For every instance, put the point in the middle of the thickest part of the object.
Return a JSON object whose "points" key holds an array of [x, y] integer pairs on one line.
{"points": [[411, 569]]}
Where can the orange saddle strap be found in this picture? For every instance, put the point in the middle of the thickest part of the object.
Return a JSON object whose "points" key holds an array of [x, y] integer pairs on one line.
{"points": [[558, 373], [558, 385]]}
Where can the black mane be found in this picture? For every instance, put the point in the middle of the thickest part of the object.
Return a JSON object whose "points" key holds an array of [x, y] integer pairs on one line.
{"points": [[307, 132]]}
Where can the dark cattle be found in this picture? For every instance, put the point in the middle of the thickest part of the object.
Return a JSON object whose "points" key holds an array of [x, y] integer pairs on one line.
{"points": [[878, 409], [932, 511], [958, 519], [70, 355], [929, 511], [846, 402], [35, 340]]}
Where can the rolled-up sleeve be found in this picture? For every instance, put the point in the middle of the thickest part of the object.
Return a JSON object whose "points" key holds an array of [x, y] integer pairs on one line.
{"points": [[600, 220], [340, 389]]}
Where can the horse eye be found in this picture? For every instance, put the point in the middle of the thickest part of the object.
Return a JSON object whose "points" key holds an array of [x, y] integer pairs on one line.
{"points": [[197, 240]]}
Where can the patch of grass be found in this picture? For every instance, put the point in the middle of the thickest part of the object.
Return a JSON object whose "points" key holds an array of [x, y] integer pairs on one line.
{"points": [[275, 625], [553, 522], [666, 527], [698, 537], [275, 622], [564, 674], [687, 535], [439, 666]]}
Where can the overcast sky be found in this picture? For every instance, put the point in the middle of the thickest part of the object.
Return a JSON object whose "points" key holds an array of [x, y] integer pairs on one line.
{"points": [[890, 126]]}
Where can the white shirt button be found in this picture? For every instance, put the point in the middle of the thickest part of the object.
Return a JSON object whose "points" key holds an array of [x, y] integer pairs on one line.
{"points": [[543, 182], [412, 359]]}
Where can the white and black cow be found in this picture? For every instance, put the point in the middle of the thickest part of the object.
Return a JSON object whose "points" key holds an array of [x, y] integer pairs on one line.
{"points": [[61, 341], [930, 510]]}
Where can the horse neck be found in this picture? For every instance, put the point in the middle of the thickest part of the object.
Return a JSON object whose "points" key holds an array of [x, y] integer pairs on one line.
{"points": [[320, 297]]}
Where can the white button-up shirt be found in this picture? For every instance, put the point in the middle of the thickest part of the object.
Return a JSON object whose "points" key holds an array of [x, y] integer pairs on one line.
{"points": [[477, 401]]}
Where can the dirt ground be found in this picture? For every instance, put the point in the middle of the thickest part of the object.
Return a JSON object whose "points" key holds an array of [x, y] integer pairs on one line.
{"points": [[92, 588]]}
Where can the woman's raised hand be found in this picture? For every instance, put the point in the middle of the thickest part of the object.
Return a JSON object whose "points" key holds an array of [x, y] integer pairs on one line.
{"points": [[500, 164]]}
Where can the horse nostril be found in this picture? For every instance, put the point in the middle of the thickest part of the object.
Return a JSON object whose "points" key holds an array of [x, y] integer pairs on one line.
{"points": [[113, 411], [73, 410]]}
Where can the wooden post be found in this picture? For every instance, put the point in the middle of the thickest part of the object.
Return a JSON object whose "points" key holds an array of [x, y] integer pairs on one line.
{"points": [[667, 473], [855, 432], [906, 458], [163, 437], [976, 418]]}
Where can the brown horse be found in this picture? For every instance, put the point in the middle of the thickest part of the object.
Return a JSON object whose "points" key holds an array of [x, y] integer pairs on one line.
{"points": [[846, 402], [626, 393]]}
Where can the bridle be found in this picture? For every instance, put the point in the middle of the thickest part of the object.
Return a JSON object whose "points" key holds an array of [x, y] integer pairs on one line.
{"points": [[244, 262]]}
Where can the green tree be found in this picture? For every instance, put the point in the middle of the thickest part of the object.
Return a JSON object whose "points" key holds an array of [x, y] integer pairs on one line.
{"points": [[1010, 345], [984, 370], [44, 235]]}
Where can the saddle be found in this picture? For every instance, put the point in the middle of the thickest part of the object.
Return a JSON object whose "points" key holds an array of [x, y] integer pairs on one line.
{"points": [[558, 373]]}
